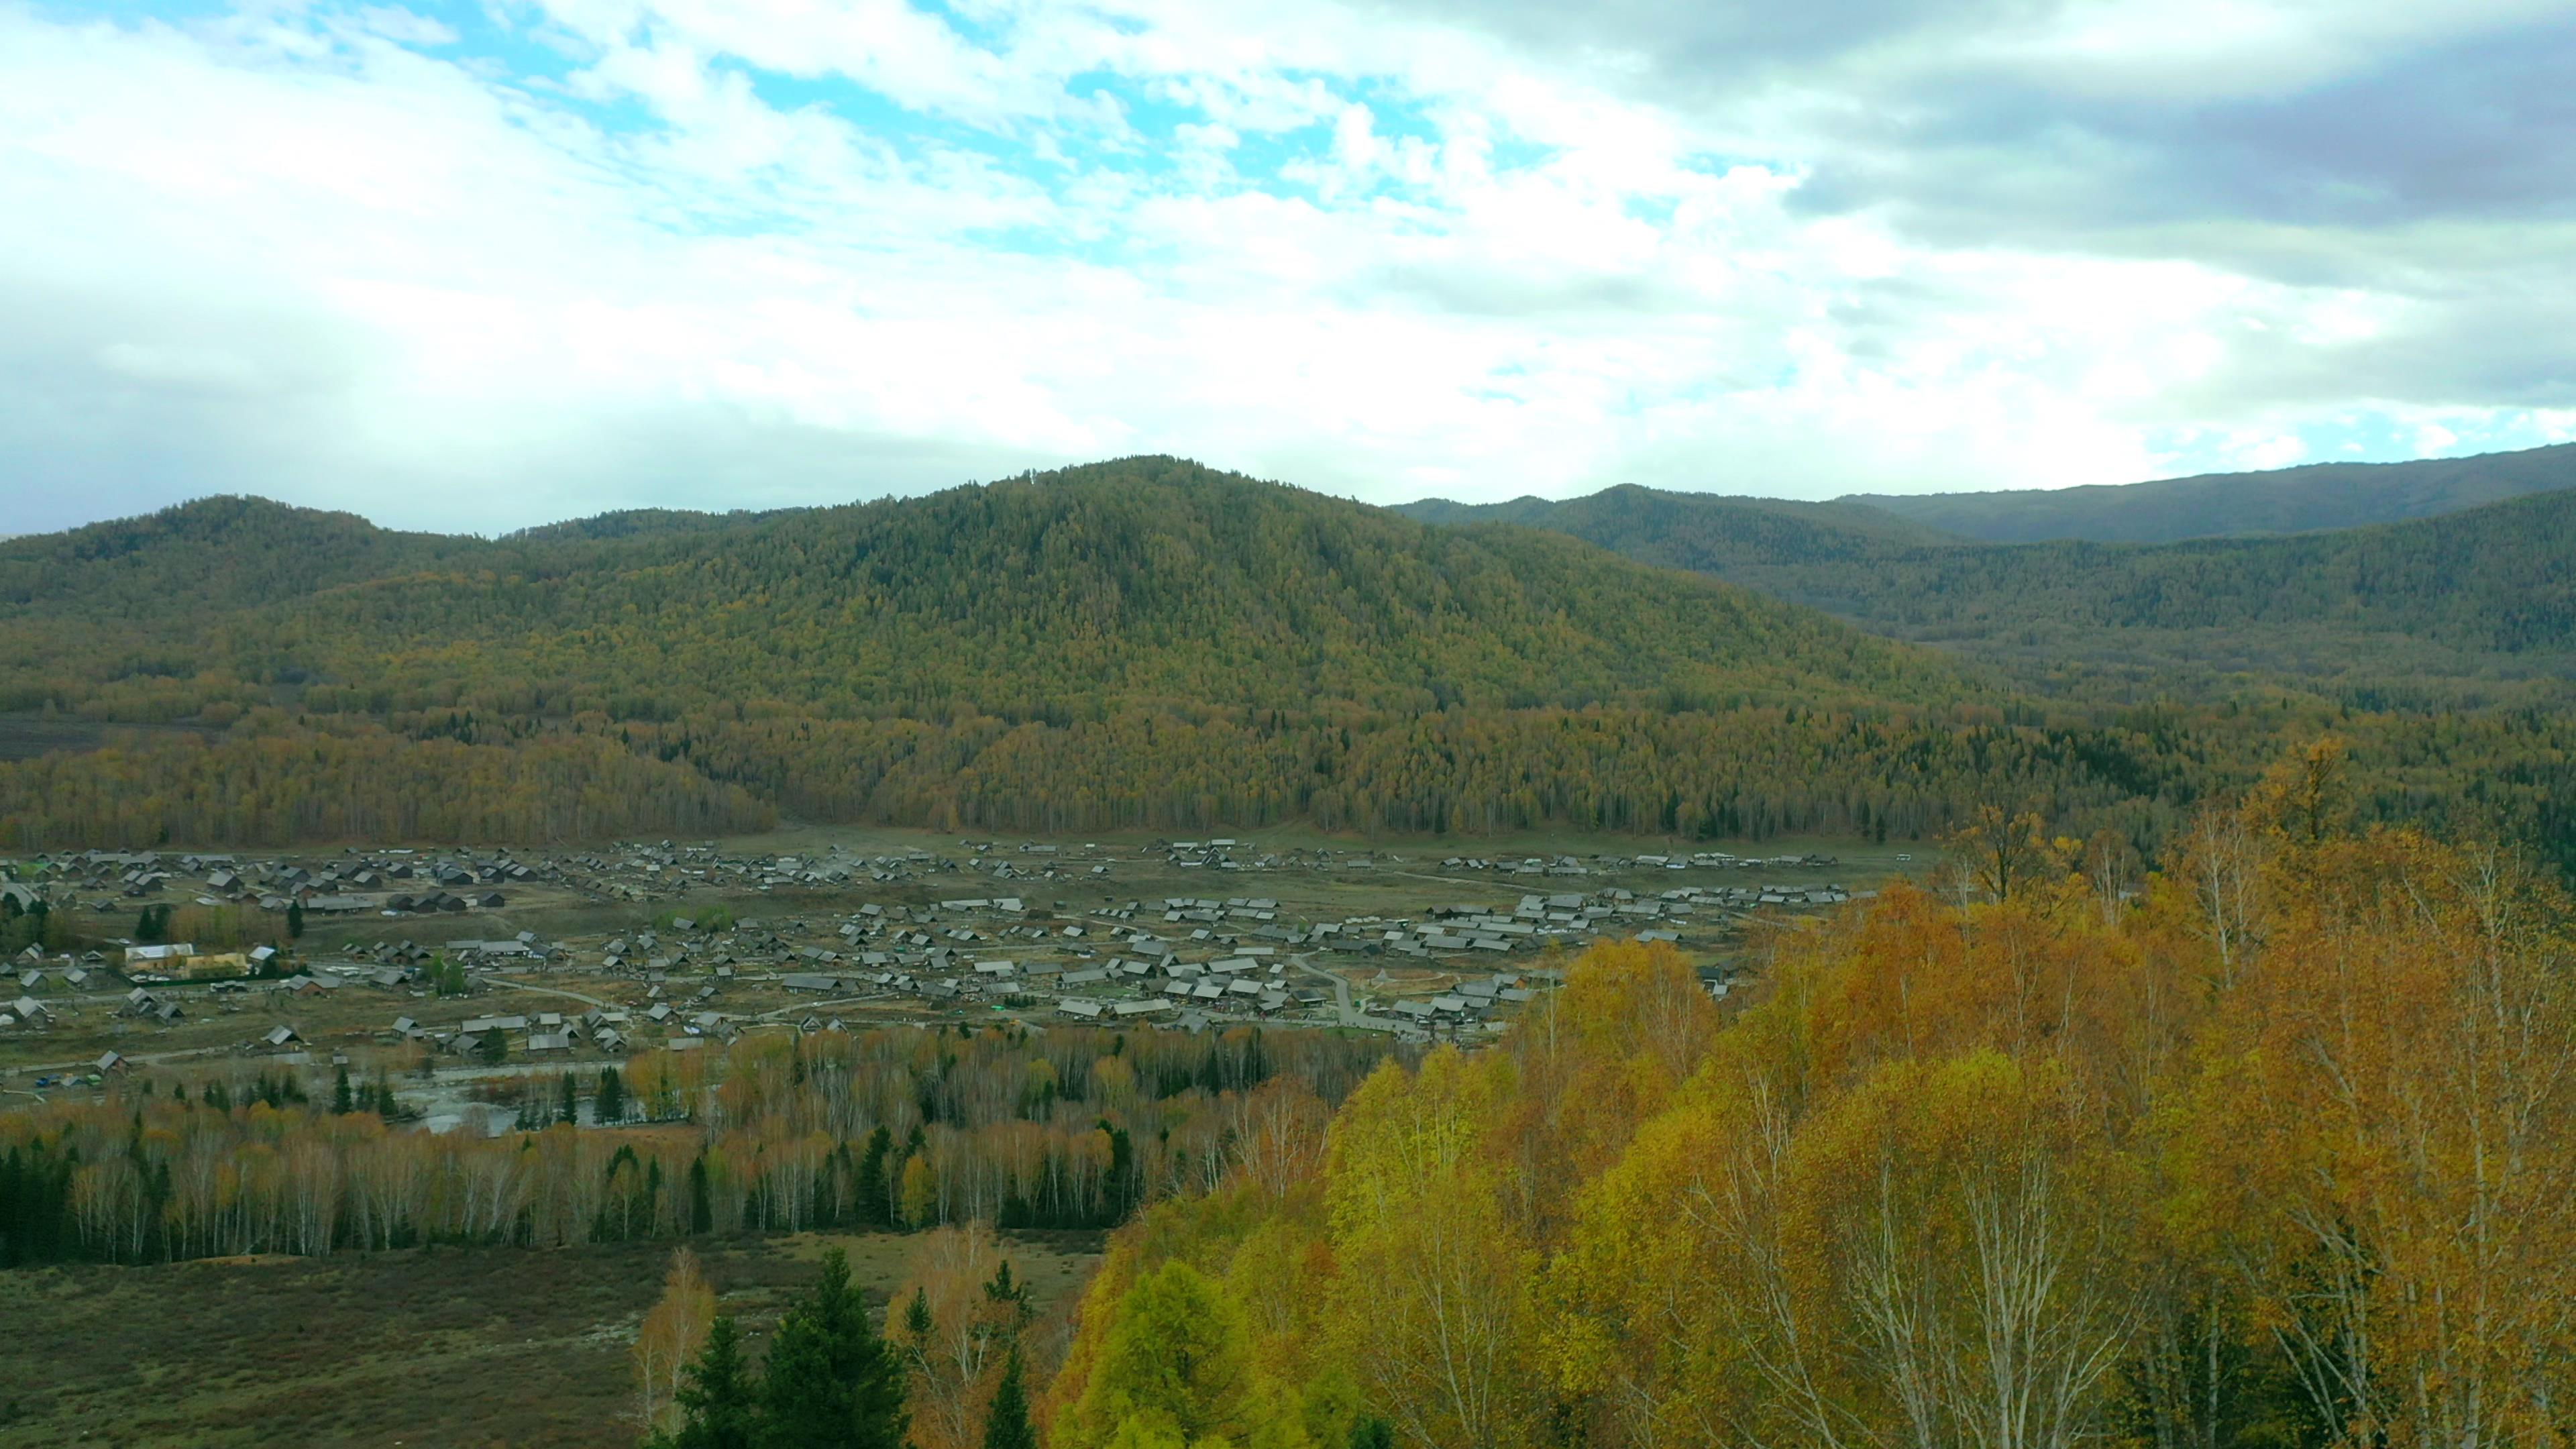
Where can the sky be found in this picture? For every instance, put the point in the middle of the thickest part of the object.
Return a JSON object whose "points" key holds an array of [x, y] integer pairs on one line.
{"points": [[474, 267]]}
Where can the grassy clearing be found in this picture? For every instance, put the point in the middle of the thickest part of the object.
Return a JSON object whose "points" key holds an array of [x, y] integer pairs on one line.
{"points": [[433, 1347]]}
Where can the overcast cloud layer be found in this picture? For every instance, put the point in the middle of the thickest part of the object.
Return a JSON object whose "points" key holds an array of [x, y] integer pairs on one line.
{"points": [[474, 268]]}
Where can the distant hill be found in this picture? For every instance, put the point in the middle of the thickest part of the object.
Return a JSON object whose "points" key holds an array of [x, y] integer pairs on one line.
{"points": [[2484, 592], [1145, 582], [2289, 500], [642, 523], [1695, 530], [211, 554], [1151, 643], [1141, 642], [1701, 532]]}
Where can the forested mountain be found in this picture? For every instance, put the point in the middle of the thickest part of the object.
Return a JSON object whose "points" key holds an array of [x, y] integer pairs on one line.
{"points": [[1146, 641], [1137, 643], [2286, 500], [642, 522], [1783, 527], [1704, 532], [2487, 593], [1151, 583], [212, 554]]}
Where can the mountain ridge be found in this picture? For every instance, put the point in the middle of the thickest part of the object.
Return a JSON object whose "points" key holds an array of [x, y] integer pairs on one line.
{"points": [[2481, 592], [2305, 498], [1145, 641]]}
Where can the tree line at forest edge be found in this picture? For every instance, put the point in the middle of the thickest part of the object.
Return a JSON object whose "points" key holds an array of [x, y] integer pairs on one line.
{"points": [[901, 1129], [1143, 644], [2274, 1144]]}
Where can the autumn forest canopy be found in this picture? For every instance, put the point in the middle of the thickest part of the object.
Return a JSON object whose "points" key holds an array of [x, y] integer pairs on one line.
{"points": [[1152, 643]]}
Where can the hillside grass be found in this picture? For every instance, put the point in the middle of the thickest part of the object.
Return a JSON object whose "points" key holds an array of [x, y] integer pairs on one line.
{"points": [[433, 1346]]}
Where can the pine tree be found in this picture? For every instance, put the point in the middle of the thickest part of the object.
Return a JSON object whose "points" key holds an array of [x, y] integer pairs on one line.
{"points": [[831, 1384], [1010, 1300], [609, 1106], [569, 1110], [295, 920], [803, 1405], [917, 1322], [1006, 1424], [720, 1399], [872, 1188], [342, 1103]]}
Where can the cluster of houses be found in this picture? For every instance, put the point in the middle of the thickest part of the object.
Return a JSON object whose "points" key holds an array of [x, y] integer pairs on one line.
{"points": [[390, 880], [86, 973], [1184, 961], [638, 871], [1228, 960], [1471, 1003], [100, 875], [75, 972], [535, 1034], [1607, 864]]}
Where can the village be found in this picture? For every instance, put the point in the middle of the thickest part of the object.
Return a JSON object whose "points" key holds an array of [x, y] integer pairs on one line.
{"points": [[460, 964]]}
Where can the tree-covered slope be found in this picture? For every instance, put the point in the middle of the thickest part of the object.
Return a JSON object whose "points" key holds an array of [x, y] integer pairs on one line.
{"points": [[641, 523], [2489, 589], [212, 554], [1696, 530], [2288, 500], [2485, 592], [1145, 642], [1146, 582]]}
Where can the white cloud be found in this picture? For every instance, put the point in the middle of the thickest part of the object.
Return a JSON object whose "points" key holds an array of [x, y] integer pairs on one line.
{"points": [[347, 259]]}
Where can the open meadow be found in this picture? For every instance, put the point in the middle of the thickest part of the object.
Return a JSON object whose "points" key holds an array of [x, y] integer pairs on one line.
{"points": [[428, 1347]]}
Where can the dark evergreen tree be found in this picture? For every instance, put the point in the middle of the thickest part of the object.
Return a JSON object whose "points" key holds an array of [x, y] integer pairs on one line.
{"points": [[831, 1383], [1006, 1423], [721, 1400], [609, 1105], [874, 1193], [1006, 1293], [917, 1322]]}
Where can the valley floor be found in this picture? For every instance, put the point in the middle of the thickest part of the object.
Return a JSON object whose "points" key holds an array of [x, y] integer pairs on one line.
{"points": [[443, 1346], [584, 901]]}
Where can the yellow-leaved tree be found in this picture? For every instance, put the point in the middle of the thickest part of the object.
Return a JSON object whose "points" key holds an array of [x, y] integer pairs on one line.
{"points": [[672, 1333]]}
